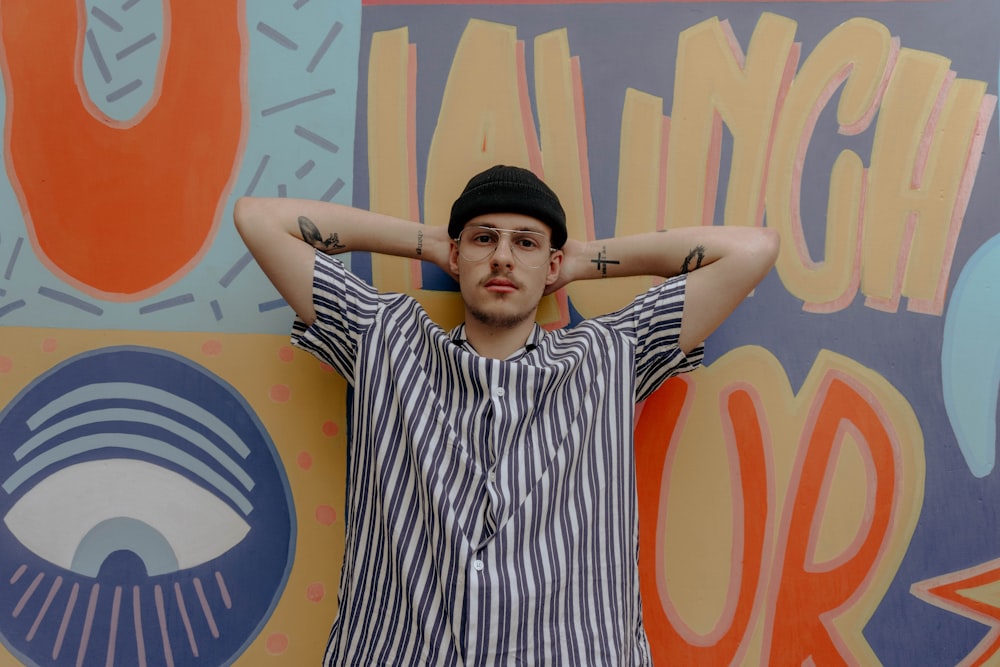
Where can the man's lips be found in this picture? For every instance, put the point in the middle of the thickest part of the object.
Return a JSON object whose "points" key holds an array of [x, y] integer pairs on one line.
{"points": [[502, 285]]}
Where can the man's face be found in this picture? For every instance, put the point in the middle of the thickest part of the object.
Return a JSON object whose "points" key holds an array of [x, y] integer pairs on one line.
{"points": [[500, 289]]}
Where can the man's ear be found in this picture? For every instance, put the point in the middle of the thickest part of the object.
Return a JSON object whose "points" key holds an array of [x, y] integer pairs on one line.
{"points": [[555, 267], [453, 258]]}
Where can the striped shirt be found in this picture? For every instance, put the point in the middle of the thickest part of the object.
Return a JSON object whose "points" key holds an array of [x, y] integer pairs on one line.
{"points": [[491, 513]]}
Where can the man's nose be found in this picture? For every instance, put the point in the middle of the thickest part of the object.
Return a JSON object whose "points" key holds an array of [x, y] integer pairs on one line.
{"points": [[504, 253]]}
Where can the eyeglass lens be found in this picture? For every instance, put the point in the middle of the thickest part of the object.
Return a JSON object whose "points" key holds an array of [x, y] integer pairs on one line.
{"points": [[478, 243]]}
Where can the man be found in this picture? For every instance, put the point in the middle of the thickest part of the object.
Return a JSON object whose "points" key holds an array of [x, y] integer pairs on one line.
{"points": [[491, 513]]}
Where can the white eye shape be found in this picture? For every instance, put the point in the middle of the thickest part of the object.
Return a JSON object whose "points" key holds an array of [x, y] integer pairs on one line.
{"points": [[79, 515]]}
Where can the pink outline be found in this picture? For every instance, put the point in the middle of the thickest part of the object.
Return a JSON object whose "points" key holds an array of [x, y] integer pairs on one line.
{"points": [[17, 574], [713, 163], [27, 594], [890, 304], [116, 605], [936, 306], [53, 589], [922, 590], [88, 624], [924, 148], [223, 591], [185, 618], [205, 609], [61, 634], [865, 120], [413, 205], [842, 301], [823, 504], [140, 640], [161, 615]]}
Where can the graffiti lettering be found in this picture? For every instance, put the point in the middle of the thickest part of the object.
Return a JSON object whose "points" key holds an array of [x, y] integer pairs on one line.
{"points": [[99, 196], [899, 219], [818, 492]]}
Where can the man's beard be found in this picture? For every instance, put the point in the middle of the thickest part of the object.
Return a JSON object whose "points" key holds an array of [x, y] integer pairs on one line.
{"points": [[500, 320]]}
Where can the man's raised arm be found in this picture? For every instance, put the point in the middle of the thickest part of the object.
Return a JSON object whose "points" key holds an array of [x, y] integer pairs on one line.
{"points": [[283, 234], [725, 264]]}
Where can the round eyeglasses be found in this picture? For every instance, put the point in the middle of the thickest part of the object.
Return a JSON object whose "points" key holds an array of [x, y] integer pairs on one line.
{"points": [[531, 249]]}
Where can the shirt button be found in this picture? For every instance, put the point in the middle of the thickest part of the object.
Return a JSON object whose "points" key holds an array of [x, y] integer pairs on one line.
{"points": [[478, 565], [499, 392]]}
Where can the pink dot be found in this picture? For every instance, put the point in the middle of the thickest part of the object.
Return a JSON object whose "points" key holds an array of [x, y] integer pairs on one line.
{"points": [[305, 460], [326, 514], [49, 345], [330, 429], [277, 643], [315, 592], [326, 367], [6, 364], [286, 353], [280, 393], [211, 348]]}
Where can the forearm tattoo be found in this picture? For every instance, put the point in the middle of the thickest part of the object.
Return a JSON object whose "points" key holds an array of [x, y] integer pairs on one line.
{"points": [[602, 261], [420, 242], [698, 255], [311, 235]]}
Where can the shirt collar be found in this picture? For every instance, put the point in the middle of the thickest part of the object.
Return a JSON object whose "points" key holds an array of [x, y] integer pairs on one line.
{"points": [[457, 336]]}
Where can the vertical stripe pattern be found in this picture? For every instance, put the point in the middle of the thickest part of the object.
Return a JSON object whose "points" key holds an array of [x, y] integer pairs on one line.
{"points": [[491, 514]]}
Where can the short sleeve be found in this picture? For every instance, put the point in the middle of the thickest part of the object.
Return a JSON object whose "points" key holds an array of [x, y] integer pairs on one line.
{"points": [[346, 307], [654, 318]]}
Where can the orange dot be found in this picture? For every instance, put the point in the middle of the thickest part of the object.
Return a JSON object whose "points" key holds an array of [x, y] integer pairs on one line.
{"points": [[280, 393], [286, 353], [326, 514], [211, 348], [6, 364], [315, 592], [277, 643], [330, 429], [49, 344], [305, 460]]}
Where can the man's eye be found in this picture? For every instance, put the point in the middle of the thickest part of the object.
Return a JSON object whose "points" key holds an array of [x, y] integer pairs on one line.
{"points": [[527, 243], [484, 239]]}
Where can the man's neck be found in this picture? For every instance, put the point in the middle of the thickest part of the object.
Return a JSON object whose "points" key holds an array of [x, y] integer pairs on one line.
{"points": [[497, 342]]}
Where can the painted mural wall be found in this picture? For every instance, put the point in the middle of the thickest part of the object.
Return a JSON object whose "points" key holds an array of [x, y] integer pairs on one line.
{"points": [[822, 492]]}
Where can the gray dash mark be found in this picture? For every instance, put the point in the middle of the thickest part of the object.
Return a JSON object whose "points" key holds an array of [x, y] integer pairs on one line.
{"points": [[257, 175], [271, 305], [332, 190], [106, 19], [282, 190], [235, 269], [300, 100], [70, 300], [304, 169], [325, 46], [216, 309], [314, 138], [3, 292], [135, 46], [273, 34], [13, 257], [167, 303], [95, 49], [10, 307], [298, 3], [129, 87], [129, 4]]}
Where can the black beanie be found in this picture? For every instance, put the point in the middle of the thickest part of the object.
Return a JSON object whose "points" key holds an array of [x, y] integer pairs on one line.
{"points": [[503, 189]]}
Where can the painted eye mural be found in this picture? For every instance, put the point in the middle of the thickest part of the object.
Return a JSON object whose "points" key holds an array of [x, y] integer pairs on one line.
{"points": [[138, 526]]}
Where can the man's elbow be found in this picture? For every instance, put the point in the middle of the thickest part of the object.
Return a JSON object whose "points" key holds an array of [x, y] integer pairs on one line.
{"points": [[243, 213]]}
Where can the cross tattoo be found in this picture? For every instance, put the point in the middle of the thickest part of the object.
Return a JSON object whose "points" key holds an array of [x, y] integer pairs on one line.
{"points": [[602, 261]]}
